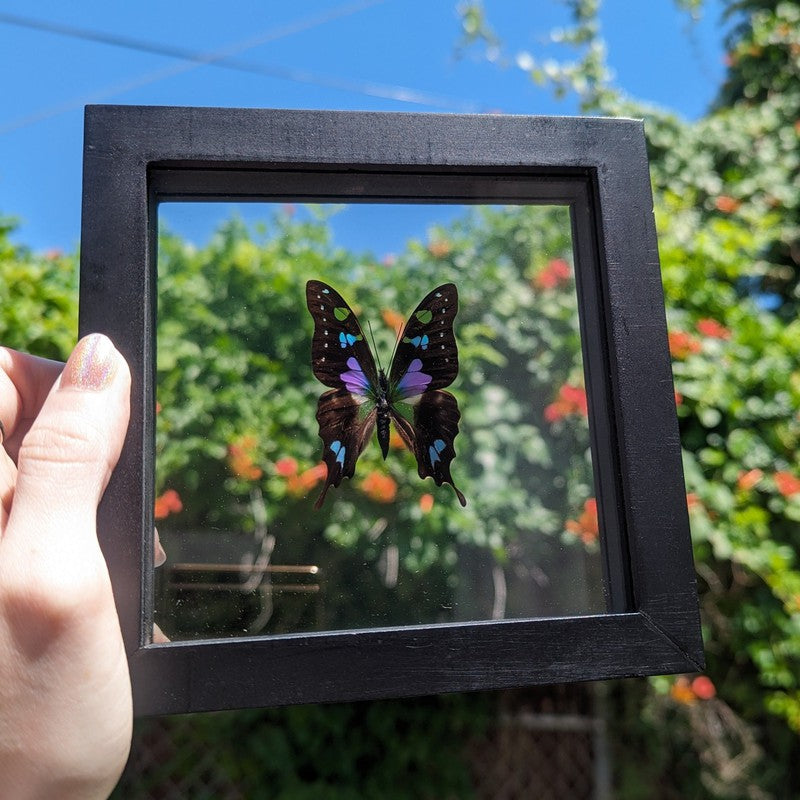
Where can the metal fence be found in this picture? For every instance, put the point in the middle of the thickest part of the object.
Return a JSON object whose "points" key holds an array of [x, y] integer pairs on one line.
{"points": [[547, 744]]}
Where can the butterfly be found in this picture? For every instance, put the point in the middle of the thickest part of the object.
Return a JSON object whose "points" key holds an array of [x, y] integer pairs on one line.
{"points": [[362, 397]]}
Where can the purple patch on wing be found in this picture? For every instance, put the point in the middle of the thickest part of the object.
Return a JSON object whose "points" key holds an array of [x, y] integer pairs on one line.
{"points": [[355, 380], [413, 382]]}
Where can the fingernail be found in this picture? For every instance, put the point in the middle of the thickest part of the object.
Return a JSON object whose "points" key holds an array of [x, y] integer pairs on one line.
{"points": [[92, 364]]}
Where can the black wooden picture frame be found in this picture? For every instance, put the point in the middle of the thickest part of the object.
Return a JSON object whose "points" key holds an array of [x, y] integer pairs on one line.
{"points": [[136, 157]]}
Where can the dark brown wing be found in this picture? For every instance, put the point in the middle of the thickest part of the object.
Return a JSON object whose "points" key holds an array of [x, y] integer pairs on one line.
{"points": [[431, 436], [426, 356], [340, 355], [344, 427]]}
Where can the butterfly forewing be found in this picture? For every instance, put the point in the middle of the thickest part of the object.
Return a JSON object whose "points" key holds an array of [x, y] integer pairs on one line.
{"points": [[340, 355], [426, 356]]}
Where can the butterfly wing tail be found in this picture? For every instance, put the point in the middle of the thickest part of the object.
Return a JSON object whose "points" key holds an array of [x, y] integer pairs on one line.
{"points": [[321, 498], [431, 436]]}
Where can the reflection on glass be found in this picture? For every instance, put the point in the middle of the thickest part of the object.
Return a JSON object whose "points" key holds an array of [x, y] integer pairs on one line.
{"points": [[239, 457]]}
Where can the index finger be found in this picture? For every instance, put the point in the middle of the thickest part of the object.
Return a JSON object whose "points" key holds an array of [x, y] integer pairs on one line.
{"points": [[25, 382]]}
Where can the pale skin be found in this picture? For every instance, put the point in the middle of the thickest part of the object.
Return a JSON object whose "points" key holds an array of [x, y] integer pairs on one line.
{"points": [[65, 695]]}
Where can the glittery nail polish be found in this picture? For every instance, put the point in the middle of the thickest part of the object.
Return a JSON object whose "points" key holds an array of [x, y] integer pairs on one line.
{"points": [[91, 366]]}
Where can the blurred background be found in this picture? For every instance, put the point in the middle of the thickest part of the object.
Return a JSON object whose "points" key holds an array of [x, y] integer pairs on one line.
{"points": [[718, 86]]}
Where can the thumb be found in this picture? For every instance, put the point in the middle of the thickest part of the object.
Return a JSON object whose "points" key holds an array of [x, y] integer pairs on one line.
{"points": [[67, 456]]}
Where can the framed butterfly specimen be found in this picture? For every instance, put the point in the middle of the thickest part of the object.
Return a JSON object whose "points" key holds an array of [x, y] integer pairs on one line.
{"points": [[362, 397], [596, 171]]}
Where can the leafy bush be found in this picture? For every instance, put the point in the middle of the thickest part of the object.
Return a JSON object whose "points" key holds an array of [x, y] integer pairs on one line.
{"points": [[39, 298]]}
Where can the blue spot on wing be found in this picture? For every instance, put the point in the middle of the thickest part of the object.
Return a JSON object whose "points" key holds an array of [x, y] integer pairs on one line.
{"points": [[339, 450], [434, 450], [418, 341], [346, 339]]}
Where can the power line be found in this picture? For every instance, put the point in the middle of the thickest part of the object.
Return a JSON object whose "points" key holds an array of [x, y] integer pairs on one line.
{"points": [[173, 51], [225, 58]]}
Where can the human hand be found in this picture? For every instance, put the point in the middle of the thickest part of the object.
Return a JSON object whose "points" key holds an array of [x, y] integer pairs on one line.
{"points": [[65, 696]]}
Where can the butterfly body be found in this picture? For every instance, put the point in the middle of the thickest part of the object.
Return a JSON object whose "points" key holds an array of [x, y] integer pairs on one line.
{"points": [[383, 413], [363, 397]]}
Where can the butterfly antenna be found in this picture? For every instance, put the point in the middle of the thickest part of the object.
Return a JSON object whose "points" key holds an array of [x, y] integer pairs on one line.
{"points": [[398, 332], [375, 346]]}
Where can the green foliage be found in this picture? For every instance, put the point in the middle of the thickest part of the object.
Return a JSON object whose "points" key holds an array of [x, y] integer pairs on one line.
{"points": [[728, 205], [38, 299], [360, 751]]}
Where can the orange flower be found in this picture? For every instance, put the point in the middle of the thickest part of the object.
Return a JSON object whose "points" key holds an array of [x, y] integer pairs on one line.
{"points": [[439, 248], [689, 692], [678, 398], [556, 273], [712, 328], [586, 527], [426, 503], [168, 503], [306, 480], [286, 466], [681, 691], [571, 400], [393, 319], [158, 407], [727, 204], [748, 480], [786, 483], [703, 688], [682, 344], [240, 458], [379, 487], [693, 501]]}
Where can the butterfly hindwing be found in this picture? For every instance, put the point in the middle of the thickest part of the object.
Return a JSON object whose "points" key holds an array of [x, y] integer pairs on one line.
{"points": [[344, 428], [426, 356], [431, 436], [340, 355]]}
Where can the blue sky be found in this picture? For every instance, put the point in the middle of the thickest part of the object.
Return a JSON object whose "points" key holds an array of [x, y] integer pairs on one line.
{"points": [[342, 54]]}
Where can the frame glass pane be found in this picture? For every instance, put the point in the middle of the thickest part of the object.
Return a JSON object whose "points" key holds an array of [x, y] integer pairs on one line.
{"points": [[238, 458]]}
